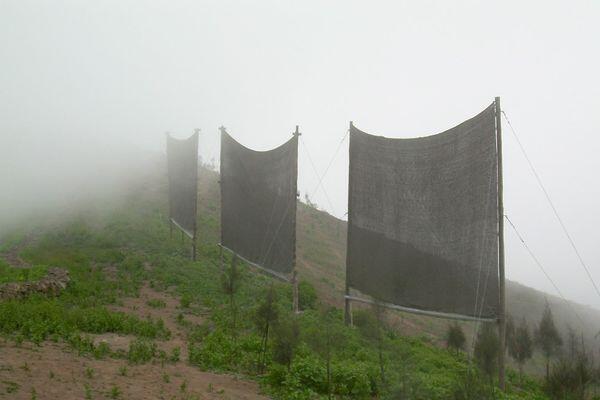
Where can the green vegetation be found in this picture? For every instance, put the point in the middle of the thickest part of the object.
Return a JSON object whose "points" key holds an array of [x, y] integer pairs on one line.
{"points": [[249, 327], [156, 303], [547, 338], [9, 274], [520, 345], [455, 338]]}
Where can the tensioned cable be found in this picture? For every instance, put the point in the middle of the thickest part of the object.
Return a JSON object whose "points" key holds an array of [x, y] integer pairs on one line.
{"points": [[331, 162], [305, 147], [539, 264], [560, 221], [481, 263]]}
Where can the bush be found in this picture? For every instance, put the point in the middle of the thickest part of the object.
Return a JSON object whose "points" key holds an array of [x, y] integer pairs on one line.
{"points": [[353, 380], [222, 352], [307, 296], [141, 351]]}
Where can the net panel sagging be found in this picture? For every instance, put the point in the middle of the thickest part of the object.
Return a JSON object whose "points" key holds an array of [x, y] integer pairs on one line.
{"points": [[258, 203], [182, 161], [423, 229]]}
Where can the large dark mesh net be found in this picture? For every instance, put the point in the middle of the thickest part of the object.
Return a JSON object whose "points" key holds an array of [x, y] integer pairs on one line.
{"points": [[258, 203], [423, 222], [182, 160]]}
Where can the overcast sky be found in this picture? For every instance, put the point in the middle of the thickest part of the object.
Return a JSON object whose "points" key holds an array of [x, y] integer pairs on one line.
{"points": [[79, 78]]}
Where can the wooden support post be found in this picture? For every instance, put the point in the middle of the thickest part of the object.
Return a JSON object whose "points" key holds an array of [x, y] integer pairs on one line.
{"points": [[221, 263], [347, 304], [170, 228], [194, 246], [295, 302], [501, 277], [295, 292], [348, 307]]}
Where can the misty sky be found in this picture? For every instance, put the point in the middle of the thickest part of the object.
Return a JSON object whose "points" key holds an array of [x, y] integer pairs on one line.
{"points": [[79, 79]]}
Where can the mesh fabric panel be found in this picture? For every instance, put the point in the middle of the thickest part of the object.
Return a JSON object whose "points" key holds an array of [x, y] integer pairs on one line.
{"points": [[423, 219], [182, 160], [258, 203]]}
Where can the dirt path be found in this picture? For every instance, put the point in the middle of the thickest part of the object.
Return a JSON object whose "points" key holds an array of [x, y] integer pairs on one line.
{"points": [[13, 255], [53, 372]]}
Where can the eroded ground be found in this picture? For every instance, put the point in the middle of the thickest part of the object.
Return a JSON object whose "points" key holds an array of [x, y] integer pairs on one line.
{"points": [[53, 371]]}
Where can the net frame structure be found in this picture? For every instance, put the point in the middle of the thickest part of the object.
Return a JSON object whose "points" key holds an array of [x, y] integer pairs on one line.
{"points": [[230, 185], [182, 161], [501, 312], [352, 296]]}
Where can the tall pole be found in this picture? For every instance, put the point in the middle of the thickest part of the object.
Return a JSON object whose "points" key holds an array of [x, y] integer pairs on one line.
{"points": [[194, 245], [295, 302], [347, 304], [195, 238], [501, 283]]}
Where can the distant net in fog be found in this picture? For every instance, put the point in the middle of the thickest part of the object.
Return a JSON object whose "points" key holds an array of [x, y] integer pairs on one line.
{"points": [[182, 160]]}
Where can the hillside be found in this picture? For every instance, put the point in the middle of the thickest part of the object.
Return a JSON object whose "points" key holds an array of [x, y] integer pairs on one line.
{"points": [[138, 319], [321, 251]]}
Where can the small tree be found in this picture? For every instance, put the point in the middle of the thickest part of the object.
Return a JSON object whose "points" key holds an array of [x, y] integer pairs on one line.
{"points": [[307, 296], [372, 326], [487, 348], [572, 343], [266, 314], [547, 338], [520, 346], [510, 331], [286, 339], [570, 378], [325, 338], [230, 282], [455, 338]]}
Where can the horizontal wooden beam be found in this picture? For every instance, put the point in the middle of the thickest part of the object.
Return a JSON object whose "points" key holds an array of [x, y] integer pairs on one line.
{"points": [[420, 312], [273, 274]]}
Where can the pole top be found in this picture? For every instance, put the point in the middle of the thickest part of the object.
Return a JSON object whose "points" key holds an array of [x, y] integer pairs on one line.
{"points": [[222, 129], [297, 131], [197, 131]]}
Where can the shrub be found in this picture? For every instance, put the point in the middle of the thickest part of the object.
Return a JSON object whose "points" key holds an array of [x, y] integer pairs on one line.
{"points": [[307, 296], [141, 351]]}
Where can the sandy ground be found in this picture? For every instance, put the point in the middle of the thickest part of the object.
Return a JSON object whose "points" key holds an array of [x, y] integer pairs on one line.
{"points": [[53, 371]]}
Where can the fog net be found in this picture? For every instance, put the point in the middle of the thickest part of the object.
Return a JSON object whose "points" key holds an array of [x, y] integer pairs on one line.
{"points": [[258, 203], [423, 219], [182, 160]]}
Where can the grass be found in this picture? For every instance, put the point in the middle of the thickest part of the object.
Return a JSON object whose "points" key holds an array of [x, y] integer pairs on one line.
{"points": [[141, 351], [112, 258], [9, 274], [156, 303]]}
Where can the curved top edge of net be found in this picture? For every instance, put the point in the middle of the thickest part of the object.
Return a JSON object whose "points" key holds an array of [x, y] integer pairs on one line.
{"points": [[227, 135], [182, 140], [447, 131]]}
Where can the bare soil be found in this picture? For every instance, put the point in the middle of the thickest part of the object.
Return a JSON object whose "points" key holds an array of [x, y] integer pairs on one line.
{"points": [[52, 371]]}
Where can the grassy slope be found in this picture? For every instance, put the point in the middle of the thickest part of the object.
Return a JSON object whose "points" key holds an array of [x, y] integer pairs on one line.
{"points": [[321, 250], [134, 240]]}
